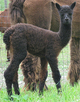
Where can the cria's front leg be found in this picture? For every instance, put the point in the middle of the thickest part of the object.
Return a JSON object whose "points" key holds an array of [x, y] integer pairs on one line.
{"points": [[55, 72]]}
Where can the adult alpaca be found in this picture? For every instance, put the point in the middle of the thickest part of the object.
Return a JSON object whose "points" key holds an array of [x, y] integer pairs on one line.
{"points": [[25, 11], [40, 42]]}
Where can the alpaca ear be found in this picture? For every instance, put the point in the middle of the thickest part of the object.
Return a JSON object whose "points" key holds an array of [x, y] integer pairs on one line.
{"points": [[73, 5], [58, 6]]}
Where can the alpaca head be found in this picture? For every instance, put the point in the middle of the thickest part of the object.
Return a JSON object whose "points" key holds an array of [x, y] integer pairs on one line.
{"points": [[65, 13]]}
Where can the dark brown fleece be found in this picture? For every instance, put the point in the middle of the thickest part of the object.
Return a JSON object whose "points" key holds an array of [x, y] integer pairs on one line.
{"points": [[39, 42]]}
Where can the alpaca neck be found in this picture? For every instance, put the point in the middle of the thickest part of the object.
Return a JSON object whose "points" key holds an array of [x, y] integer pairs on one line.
{"points": [[65, 34]]}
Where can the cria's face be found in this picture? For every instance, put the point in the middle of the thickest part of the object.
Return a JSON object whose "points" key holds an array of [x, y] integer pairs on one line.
{"points": [[66, 15]]}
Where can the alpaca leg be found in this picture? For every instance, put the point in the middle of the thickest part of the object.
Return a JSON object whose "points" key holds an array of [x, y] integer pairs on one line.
{"points": [[30, 67], [26, 85], [18, 55], [33, 82], [55, 72], [74, 68], [43, 74], [33, 86], [9, 75], [15, 83]]}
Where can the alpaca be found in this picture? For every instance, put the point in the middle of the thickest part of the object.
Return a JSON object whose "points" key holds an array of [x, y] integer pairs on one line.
{"points": [[40, 17], [39, 42]]}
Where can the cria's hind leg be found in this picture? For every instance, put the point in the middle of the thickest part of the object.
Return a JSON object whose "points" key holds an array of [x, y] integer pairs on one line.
{"points": [[43, 75], [19, 53], [9, 75], [15, 83]]}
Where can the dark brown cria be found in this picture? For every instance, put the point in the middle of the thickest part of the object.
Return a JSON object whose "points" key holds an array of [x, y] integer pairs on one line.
{"points": [[40, 42]]}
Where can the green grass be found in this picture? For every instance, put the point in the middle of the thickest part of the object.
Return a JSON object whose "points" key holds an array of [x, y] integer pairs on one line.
{"points": [[69, 94]]}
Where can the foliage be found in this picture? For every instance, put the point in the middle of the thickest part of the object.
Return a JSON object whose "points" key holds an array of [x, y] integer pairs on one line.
{"points": [[69, 94], [2, 6]]}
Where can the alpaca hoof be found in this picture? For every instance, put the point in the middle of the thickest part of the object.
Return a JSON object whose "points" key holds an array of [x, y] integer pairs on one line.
{"points": [[11, 98], [40, 93], [59, 91], [74, 83]]}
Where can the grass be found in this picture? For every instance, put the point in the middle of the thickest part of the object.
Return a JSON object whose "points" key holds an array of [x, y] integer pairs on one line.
{"points": [[69, 94]]}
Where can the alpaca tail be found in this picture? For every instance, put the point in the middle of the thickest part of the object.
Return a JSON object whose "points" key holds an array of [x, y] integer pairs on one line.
{"points": [[6, 37]]}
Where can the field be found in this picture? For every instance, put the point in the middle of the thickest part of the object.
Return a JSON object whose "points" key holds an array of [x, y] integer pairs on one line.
{"points": [[69, 93]]}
